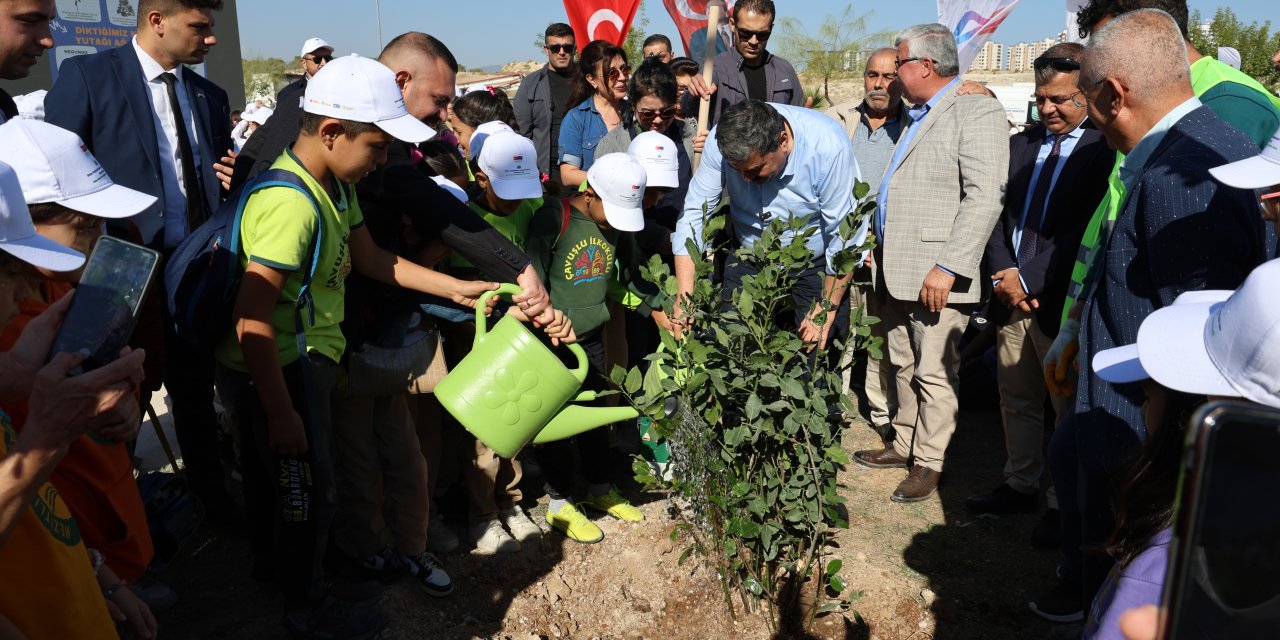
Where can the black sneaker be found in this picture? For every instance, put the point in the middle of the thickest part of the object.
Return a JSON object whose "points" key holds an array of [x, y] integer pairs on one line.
{"points": [[1047, 533], [1061, 603], [334, 623], [426, 569], [1002, 500]]}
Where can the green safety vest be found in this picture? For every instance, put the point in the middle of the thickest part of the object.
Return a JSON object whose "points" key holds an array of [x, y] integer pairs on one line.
{"points": [[1206, 73]]}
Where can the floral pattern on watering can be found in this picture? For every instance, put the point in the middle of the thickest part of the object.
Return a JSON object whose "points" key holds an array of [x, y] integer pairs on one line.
{"points": [[512, 394]]}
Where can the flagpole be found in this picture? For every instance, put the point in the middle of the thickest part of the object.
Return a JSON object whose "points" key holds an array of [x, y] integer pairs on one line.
{"points": [[378, 11]]}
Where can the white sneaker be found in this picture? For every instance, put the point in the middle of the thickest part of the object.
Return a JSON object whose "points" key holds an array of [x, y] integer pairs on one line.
{"points": [[519, 524], [489, 538]]}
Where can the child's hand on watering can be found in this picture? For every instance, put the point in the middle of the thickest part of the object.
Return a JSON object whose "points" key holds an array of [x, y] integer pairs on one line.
{"points": [[468, 292], [560, 329]]}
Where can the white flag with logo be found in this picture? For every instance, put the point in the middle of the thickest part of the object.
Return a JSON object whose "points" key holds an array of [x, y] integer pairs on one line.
{"points": [[973, 22]]}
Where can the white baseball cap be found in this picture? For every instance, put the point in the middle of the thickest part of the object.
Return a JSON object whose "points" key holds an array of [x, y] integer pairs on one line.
{"points": [[483, 132], [314, 44], [18, 236], [363, 90], [619, 181], [452, 187], [510, 161], [1258, 172], [53, 165], [31, 105], [658, 155], [1222, 343], [259, 116]]}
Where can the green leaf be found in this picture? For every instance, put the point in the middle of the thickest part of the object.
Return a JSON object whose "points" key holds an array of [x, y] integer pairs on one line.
{"points": [[836, 583], [753, 406], [792, 388], [833, 567], [861, 189], [836, 454], [741, 489], [633, 380], [684, 555]]}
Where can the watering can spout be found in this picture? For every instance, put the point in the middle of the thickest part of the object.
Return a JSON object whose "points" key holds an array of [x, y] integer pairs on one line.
{"points": [[574, 419]]}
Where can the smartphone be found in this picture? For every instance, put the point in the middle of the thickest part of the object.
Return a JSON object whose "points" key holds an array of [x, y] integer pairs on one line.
{"points": [[1224, 562], [106, 303]]}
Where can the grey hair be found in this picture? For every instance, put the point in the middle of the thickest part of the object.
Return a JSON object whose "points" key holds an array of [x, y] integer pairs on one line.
{"points": [[749, 128], [935, 42], [1143, 49], [1069, 50], [878, 52]]}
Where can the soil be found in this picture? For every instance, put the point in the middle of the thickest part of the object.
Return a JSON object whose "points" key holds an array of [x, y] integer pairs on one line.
{"points": [[921, 571]]}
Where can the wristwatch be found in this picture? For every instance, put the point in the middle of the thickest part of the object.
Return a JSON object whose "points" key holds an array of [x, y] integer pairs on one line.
{"points": [[827, 305]]}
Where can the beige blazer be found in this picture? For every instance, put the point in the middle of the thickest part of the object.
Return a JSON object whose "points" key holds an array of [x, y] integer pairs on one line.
{"points": [[946, 196]]}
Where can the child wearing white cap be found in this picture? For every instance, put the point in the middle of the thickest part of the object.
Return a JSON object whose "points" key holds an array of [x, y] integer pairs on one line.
{"points": [[575, 244], [1227, 346], [353, 110], [1261, 172]]}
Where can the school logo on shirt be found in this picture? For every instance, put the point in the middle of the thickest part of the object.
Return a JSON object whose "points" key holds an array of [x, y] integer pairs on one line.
{"points": [[341, 267], [50, 509], [588, 261]]}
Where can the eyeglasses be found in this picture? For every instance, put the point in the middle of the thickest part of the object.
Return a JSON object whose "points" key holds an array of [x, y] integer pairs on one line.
{"points": [[650, 114], [1059, 100], [746, 35], [1057, 64], [906, 60], [323, 58], [619, 72], [562, 48]]}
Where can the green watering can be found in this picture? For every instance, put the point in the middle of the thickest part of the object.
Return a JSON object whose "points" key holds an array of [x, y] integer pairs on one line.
{"points": [[512, 390]]}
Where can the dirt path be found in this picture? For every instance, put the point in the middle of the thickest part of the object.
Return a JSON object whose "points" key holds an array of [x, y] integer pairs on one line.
{"points": [[925, 571]]}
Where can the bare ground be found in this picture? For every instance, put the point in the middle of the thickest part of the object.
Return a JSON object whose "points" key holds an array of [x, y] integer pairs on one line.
{"points": [[922, 571]]}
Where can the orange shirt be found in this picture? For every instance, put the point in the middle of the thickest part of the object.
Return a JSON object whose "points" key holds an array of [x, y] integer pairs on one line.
{"points": [[49, 590], [96, 477]]}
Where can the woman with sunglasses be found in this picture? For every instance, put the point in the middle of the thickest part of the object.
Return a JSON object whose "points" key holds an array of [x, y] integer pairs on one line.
{"points": [[599, 87]]}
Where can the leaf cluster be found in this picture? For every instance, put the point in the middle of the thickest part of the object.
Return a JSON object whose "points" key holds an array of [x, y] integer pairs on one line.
{"points": [[755, 443]]}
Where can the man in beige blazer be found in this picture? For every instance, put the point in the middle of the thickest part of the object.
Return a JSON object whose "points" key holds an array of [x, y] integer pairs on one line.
{"points": [[937, 204]]}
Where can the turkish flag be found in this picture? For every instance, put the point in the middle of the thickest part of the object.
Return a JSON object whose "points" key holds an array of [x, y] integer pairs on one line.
{"points": [[690, 17], [601, 19]]}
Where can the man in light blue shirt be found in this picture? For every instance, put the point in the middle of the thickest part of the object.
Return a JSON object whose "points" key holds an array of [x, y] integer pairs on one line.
{"points": [[777, 161]]}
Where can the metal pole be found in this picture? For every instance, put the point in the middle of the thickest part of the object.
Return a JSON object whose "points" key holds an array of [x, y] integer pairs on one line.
{"points": [[378, 11]]}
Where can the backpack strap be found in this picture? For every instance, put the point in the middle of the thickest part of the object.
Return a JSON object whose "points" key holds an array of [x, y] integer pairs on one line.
{"points": [[564, 221], [281, 178]]}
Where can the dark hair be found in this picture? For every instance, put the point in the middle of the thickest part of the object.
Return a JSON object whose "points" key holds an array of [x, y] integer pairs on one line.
{"points": [[656, 38], [310, 125], [761, 7], [439, 158], [653, 78], [1069, 50], [591, 62], [557, 30], [169, 7], [748, 128], [684, 67], [51, 213], [478, 107], [1093, 13], [1144, 502], [421, 44]]}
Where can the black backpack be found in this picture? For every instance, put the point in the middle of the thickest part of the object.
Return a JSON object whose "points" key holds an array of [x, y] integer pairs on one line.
{"points": [[202, 277]]}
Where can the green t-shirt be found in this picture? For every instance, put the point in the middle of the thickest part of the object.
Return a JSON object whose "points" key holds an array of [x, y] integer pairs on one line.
{"points": [[278, 227], [515, 227]]}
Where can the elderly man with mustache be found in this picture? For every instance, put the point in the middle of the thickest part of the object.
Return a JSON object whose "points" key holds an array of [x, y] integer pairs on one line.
{"points": [[873, 125]]}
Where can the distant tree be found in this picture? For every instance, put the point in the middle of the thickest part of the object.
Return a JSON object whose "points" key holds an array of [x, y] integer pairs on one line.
{"points": [[1254, 41], [634, 43], [261, 75], [831, 51]]}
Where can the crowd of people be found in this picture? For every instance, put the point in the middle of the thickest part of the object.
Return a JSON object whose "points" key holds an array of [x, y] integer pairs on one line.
{"points": [[379, 207]]}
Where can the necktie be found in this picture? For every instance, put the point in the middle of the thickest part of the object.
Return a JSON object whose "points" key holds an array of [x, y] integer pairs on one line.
{"points": [[190, 179], [1035, 212]]}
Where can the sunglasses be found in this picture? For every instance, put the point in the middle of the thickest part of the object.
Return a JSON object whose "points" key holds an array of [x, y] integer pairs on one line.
{"points": [[562, 48], [746, 35], [1057, 64], [650, 114], [318, 59], [906, 60], [619, 72]]}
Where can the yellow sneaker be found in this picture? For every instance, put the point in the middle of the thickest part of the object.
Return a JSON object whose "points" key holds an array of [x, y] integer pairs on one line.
{"points": [[569, 521], [615, 505]]}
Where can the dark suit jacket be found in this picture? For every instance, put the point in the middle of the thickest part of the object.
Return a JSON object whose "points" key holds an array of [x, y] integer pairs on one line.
{"points": [[1179, 230], [7, 106], [103, 98], [1080, 186]]}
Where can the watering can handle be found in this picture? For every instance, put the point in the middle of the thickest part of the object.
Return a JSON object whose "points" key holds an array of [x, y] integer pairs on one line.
{"points": [[482, 327]]}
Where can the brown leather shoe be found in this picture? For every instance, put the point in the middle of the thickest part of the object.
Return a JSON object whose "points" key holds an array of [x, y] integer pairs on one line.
{"points": [[885, 458], [921, 482]]}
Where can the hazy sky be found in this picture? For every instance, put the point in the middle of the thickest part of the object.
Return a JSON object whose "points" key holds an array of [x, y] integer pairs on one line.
{"points": [[482, 33]]}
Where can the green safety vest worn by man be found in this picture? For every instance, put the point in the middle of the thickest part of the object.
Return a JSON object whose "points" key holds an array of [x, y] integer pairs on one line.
{"points": [[1236, 98]]}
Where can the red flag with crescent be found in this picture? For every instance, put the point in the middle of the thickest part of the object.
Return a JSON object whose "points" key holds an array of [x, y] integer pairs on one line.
{"points": [[689, 16], [601, 19]]}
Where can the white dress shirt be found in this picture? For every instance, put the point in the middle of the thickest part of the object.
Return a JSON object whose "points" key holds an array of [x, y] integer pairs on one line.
{"points": [[175, 191]]}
